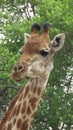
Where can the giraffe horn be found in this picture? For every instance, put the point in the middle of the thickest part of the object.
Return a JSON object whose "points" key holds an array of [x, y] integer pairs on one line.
{"points": [[35, 28], [46, 27], [45, 36]]}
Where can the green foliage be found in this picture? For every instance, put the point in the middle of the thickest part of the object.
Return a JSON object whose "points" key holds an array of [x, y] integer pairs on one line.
{"points": [[56, 109]]}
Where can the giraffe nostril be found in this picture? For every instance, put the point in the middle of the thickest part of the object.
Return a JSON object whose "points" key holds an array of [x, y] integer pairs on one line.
{"points": [[20, 68]]}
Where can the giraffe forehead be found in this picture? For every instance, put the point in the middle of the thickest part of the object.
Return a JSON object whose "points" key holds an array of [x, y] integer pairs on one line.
{"points": [[35, 44], [32, 46]]}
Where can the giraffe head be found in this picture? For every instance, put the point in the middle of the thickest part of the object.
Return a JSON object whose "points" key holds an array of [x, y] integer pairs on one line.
{"points": [[37, 53]]}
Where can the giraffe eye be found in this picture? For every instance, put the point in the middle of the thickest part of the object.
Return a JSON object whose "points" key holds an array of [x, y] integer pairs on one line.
{"points": [[44, 53]]}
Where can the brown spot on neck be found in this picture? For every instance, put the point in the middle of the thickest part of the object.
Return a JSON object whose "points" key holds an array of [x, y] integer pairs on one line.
{"points": [[19, 121], [18, 109], [29, 110], [27, 89], [39, 91], [24, 125], [33, 101], [14, 121], [9, 127], [23, 108]]}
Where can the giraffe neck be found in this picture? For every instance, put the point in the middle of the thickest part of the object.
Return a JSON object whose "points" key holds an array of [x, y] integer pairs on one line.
{"points": [[23, 107]]}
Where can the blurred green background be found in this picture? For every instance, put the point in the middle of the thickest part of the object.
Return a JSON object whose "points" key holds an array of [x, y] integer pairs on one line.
{"points": [[55, 111]]}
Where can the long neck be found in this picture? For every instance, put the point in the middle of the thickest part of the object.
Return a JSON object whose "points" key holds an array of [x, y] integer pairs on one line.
{"points": [[23, 107]]}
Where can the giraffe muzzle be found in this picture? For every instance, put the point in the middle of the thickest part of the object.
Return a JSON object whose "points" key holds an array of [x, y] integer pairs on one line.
{"points": [[19, 72]]}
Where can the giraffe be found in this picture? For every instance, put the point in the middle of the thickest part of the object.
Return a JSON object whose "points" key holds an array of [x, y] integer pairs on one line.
{"points": [[35, 62]]}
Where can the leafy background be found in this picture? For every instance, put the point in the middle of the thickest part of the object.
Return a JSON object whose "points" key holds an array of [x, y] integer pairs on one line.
{"points": [[55, 111]]}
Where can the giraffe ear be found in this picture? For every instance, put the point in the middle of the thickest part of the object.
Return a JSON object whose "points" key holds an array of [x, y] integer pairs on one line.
{"points": [[58, 41], [26, 37]]}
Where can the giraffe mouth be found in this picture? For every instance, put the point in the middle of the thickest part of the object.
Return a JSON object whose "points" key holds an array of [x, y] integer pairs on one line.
{"points": [[18, 77], [19, 72]]}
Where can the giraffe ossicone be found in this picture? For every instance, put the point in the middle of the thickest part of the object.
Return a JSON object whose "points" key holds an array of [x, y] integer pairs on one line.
{"points": [[35, 62]]}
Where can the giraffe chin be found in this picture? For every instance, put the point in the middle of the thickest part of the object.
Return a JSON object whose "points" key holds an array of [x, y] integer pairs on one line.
{"points": [[17, 78]]}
